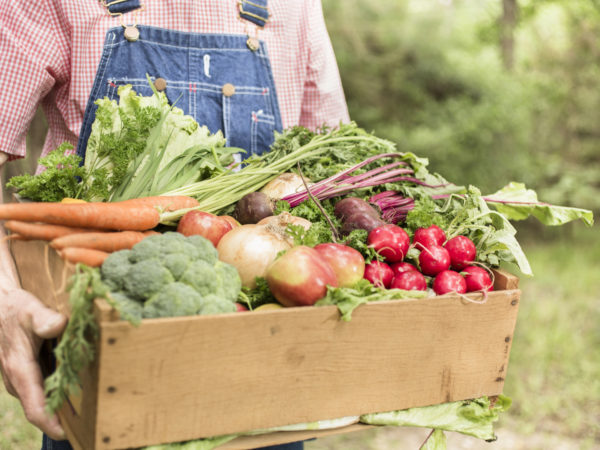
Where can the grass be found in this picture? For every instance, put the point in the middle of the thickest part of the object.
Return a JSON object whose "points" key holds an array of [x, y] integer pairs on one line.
{"points": [[15, 431], [554, 372]]}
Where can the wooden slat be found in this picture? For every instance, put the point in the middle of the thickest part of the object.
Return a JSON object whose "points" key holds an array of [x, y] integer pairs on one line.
{"points": [[184, 378], [43, 273]]}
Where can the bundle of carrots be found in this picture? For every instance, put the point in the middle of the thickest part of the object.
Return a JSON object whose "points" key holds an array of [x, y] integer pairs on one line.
{"points": [[88, 232]]}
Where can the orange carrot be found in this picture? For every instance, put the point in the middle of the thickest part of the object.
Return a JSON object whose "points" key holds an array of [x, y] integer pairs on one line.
{"points": [[105, 241], [89, 257], [41, 231], [164, 202], [105, 216]]}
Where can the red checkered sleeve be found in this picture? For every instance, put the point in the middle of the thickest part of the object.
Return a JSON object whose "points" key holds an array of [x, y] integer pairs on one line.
{"points": [[323, 101], [33, 59]]}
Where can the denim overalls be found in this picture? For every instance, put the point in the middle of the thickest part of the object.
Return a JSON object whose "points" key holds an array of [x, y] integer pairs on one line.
{"points": [[224, 81]]}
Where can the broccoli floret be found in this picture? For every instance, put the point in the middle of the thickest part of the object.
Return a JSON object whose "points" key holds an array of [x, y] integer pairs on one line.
{"points": [[114, 269], [177, 263], [174, 299], [229, 281], [145, 278], [158, 245], [213, 304], [128, 308], [201, 276], [174, 275], [205, 249]]}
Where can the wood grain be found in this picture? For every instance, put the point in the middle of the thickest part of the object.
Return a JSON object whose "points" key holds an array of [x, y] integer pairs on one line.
{"points": [[184, 378]]}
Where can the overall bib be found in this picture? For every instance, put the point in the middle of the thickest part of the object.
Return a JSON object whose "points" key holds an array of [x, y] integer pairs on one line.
{"points": [[223, 80]]}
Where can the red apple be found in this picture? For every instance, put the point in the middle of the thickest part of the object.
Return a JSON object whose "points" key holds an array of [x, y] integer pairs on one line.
{"points": [[300, 277], [347, 263], [204, 224], [234, 223]]}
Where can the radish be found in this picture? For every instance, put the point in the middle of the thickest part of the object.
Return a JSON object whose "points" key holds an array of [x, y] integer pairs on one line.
{"points": [[449, 281], [390, 241], [434, 259], [410, 281], [401, 267], [379, 274], [462, 252], [478, 279], [428, 236]]}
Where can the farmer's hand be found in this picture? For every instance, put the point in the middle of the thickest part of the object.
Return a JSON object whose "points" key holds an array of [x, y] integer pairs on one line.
{"points": [[24, 323]]}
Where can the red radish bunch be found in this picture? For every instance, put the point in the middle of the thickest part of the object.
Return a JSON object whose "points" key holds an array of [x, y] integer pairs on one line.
{"points": [[449, 262]]}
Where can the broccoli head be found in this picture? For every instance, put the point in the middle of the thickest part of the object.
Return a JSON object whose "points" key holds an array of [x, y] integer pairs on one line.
{"points": [[201, 276], [204, 249], [177, 263], [174, 275], [213, 304], [158, 245], [228, 280], [145, 278], [174, 299], [128, 308], [114, 269]]}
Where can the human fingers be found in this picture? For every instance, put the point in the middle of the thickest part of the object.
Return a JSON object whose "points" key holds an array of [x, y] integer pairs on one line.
{"points": [[26, 378]]}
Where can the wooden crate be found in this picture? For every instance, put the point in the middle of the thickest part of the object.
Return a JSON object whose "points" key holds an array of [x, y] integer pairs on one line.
{"points": [[183, 378]]}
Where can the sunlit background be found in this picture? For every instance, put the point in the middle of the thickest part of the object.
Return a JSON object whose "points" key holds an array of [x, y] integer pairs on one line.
{"points": [[491, 91]]}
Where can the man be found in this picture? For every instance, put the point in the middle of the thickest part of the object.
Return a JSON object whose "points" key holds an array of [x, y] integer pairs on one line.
{"points": [[246, 68]]}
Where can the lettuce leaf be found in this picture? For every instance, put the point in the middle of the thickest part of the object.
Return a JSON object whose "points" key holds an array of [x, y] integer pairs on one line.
{"points": [[348, 299], [471, 417], [123, 130], [516, 202]]}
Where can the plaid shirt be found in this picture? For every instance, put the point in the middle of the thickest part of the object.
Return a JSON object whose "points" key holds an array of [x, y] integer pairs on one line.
{"points": [[50, 49]]}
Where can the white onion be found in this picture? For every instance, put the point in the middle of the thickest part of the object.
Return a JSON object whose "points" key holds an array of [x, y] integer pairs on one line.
{"points": [[285, 218], [251, 248], [285, 184]]}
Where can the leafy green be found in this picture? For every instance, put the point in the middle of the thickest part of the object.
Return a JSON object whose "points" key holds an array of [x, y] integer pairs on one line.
{"points": [[471, 417], [516, 202], [76, 349], [259, 295], [348, 299], [435, 441], [147, 146], [199, 444], [60, 179]]}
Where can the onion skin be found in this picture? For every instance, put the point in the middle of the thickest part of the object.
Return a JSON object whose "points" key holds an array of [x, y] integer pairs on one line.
{"points": [[285, 184], [285, 218], [251, 249]]}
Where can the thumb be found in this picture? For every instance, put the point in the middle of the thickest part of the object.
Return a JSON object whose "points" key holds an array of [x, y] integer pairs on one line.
{"points": [[47, 323]]}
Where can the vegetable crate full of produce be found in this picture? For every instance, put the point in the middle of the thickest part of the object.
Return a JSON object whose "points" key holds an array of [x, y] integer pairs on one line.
{"points": [[183, 378], [190, 277]]}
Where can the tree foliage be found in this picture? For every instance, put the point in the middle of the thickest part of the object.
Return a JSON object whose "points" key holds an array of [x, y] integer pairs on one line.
{"points": [[428, 74]]}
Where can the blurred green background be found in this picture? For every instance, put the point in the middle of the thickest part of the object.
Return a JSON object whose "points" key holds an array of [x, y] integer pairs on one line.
{"points": [[491, 91]]}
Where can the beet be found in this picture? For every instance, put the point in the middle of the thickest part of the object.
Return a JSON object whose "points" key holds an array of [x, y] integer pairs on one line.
{"points": [[253, 207], [350, 206], [360, 220]]}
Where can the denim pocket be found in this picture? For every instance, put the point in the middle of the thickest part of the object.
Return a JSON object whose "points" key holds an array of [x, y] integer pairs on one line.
{"points": [[261, 131]]}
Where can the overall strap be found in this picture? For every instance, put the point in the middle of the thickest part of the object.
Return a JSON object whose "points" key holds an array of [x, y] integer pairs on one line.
{"points": [[118, 7], [255, 11]]}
